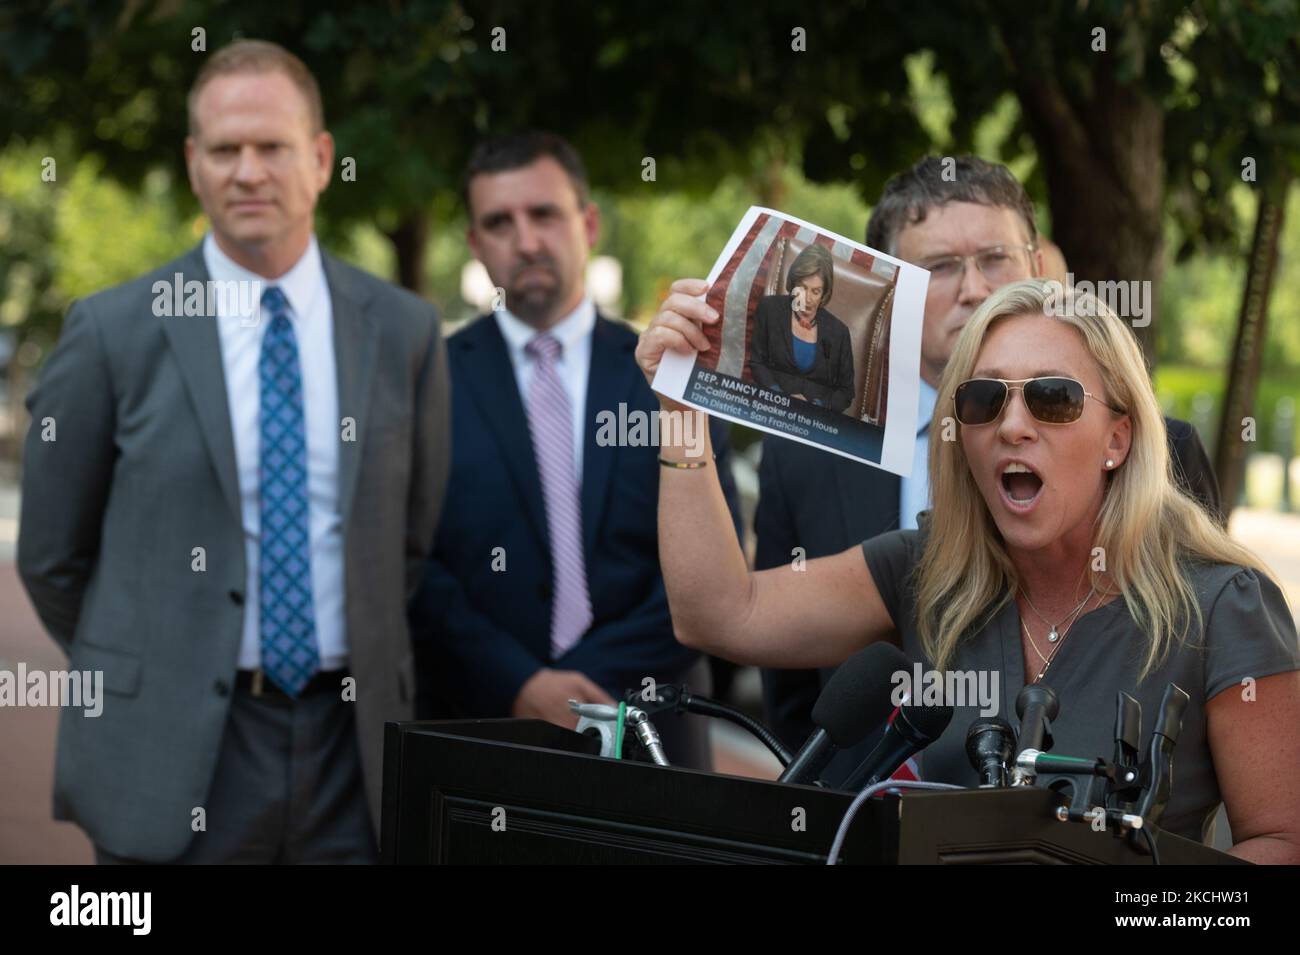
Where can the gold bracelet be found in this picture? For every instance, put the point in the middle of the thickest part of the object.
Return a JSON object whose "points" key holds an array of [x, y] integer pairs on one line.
{"points": [[682, 465]]}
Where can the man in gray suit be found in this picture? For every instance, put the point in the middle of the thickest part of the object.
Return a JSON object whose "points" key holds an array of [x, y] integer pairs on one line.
{"points": [[231, 481]]}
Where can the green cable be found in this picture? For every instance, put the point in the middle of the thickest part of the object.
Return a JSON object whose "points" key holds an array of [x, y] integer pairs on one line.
{"points": [[618, 731]]}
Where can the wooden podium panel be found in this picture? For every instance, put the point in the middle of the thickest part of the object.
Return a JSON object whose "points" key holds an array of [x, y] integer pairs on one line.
{"points": [[522, 792]]}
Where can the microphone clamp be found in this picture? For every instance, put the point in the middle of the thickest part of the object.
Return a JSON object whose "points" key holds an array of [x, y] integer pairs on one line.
{"points": [[1124, 821]]}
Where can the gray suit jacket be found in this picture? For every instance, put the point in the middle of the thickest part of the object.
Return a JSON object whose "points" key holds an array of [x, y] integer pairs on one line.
{"points": [[142, 471]]}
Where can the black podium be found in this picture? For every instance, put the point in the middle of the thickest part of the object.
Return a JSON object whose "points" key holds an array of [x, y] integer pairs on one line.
{"points": [[527, 792]]}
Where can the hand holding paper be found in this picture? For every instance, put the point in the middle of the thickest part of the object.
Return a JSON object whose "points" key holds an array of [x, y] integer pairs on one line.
{"points": [[676, 327], [801, 333]]}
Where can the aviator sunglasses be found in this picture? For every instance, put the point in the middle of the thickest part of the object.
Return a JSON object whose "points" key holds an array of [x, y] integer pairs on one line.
{"points": [[1051, 400]]}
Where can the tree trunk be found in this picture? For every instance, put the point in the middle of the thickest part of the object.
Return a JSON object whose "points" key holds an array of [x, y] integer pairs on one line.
{"points": [[768, 184], [1252, 332], [410, 239], [1103, 158]]}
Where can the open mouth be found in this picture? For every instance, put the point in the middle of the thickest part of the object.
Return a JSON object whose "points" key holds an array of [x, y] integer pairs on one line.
{"points": [[1021, 485]]}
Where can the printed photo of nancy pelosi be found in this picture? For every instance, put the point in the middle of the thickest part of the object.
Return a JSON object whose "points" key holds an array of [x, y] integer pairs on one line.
{"points": [[798, 347]]}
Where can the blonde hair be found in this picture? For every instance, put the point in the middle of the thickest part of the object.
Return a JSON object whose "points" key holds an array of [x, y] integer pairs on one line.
{"points": [[1146, 525]]}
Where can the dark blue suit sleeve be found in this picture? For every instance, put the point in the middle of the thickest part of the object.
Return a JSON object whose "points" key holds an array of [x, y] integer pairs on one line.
{"points": [[1192, 469], [619, 654], [469, 665]]}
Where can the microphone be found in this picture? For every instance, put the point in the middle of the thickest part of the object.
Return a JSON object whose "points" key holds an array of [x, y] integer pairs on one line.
{"points": [[677, 698], [855, 699], [989, 745], [1157, 771], [912, 730], [1037, 706], [1128, 733]]}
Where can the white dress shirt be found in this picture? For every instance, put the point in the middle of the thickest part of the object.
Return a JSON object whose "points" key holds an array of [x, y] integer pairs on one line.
{"points": [[574, 335], [914, 491], [312, 316]]}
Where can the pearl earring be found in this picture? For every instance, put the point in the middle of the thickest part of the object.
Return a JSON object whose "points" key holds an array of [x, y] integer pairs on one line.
{"points": [[1110, 463]]}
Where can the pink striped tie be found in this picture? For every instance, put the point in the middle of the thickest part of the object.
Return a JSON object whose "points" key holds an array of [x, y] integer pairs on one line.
{"points": [[550, 422]]}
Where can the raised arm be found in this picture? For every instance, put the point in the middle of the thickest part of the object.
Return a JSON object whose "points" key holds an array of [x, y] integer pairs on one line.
{"points": [[784, 617]]}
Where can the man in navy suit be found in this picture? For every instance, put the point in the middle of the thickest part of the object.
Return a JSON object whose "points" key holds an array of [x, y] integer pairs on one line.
{"points": [[974, 231], [544, 585]]}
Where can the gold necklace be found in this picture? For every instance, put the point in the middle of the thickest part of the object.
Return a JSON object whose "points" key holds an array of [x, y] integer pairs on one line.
{"points": [[1047, 660], [1053, 635]]}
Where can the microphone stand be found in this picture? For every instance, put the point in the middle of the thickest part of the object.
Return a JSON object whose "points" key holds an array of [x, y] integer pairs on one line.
{"points": [[1133, 798], [674, 698]]}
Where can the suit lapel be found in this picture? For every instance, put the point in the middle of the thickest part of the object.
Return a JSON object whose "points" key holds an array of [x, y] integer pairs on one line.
{"points": [[355, 348], [197, 347], [195, 342], [490, 379], [609, 382]]}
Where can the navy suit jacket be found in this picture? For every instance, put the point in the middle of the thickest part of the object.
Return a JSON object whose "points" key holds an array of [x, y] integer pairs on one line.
{"points": [[480, 633], [827, 504]]}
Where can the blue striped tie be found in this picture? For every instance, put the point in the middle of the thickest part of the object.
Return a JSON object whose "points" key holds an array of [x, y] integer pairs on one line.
{"points": [[287, 616]]}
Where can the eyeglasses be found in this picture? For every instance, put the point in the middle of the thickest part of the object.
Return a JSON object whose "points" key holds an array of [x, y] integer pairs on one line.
{"points": [[998, 264], [1049, 400]]}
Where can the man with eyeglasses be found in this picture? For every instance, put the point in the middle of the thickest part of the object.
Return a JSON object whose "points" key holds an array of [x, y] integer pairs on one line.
{"points": [[973, 229]]}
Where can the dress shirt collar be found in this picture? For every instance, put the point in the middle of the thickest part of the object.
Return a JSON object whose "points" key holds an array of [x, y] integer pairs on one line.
{"points": [[928, 398], [568, 331], [300, 284]]}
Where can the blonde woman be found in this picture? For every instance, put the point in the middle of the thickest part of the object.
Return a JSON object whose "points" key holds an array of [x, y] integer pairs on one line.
{"points": [[1058, 549]]}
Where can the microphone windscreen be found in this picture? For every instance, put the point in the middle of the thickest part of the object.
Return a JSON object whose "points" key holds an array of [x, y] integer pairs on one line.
{"points": [[857, 696], [989, 735], [927, 722], [1169, 722], [1038, 693]]}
